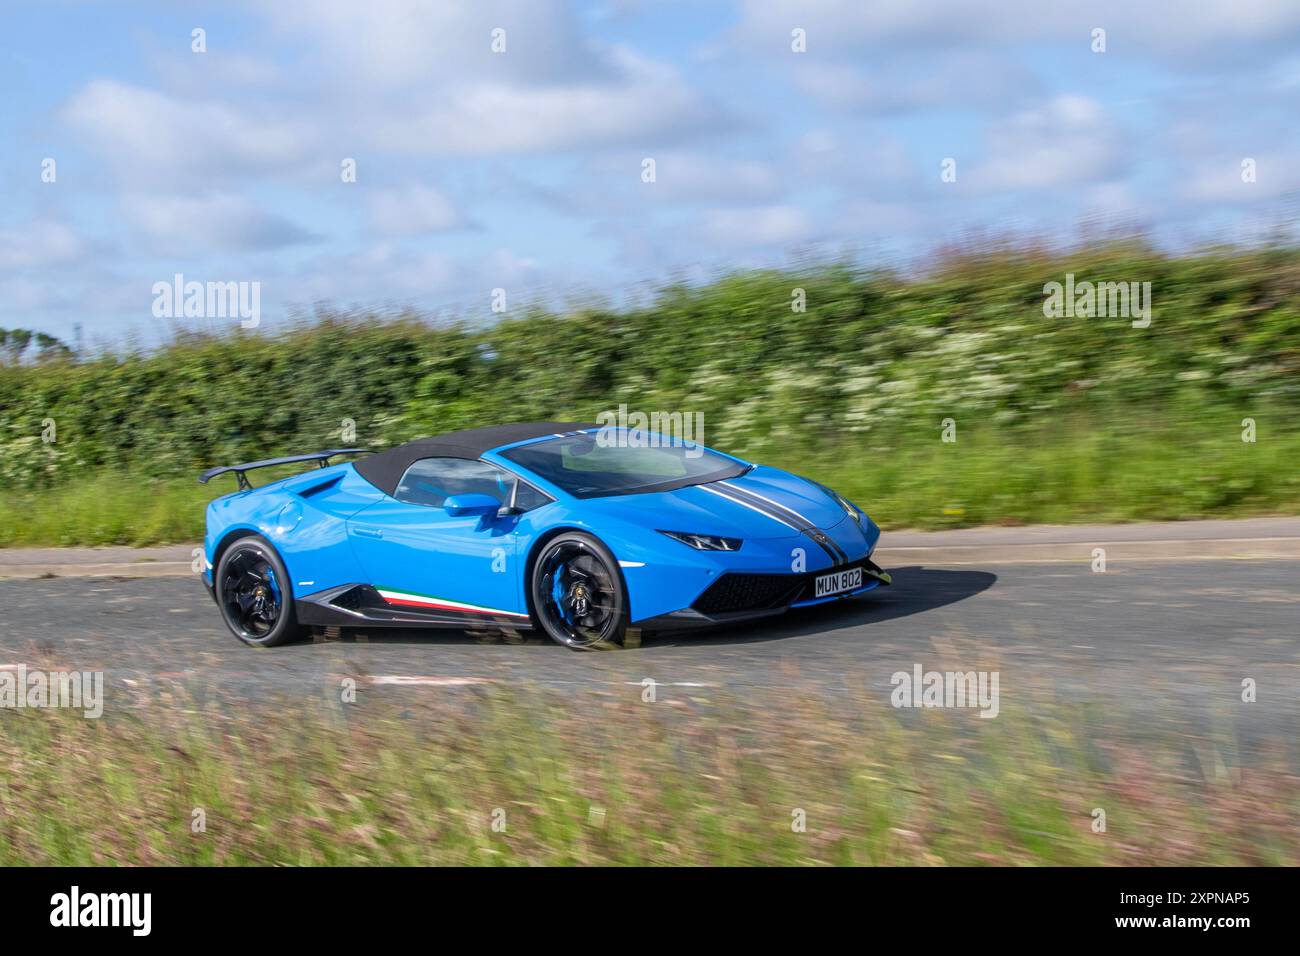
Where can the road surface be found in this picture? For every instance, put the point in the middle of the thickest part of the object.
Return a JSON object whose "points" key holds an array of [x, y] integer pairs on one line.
{"points": [[1161, 641]]}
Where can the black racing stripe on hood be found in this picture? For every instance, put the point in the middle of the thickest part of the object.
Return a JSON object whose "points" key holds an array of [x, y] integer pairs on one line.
{"points": [[786, 516]]}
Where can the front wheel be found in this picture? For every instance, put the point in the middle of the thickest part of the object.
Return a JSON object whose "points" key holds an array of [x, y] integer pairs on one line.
{"points": [[578, 594], [253, 590]]}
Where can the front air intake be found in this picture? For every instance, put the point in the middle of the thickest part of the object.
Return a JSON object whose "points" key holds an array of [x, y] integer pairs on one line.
{"points": [[734, 592]]}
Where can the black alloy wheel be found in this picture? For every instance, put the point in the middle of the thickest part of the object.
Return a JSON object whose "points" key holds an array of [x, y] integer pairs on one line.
{"points": [[255, 594], [578, 594]]}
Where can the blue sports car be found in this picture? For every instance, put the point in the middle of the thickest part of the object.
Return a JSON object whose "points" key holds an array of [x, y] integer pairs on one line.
{"points": [[580, 530]]}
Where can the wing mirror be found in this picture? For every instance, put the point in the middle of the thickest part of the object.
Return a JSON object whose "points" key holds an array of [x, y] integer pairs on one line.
{"points": [[459, 506]]}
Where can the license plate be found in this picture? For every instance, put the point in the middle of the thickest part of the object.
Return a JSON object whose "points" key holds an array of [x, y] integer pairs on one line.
{"points": [[838, 582]]}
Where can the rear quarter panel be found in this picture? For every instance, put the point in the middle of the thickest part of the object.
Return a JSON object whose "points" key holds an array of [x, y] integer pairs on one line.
{"points": [[304, 517]]}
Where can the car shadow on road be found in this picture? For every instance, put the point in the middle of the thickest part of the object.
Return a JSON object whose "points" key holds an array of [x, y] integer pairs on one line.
{"points": [[915, 590]]}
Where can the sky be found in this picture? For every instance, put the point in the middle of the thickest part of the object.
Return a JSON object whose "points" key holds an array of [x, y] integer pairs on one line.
{"points": [[504, 145]]}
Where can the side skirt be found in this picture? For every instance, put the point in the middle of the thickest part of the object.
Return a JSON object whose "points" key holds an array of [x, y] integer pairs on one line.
{"points": [[360, 605]]}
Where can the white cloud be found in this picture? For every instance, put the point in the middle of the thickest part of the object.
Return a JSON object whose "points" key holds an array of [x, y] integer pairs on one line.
{"points": [[775, 225], [870, 160], [181, 224], [1068, 141], [1171, 28], [395, 76], [219, 69], [153, 137], [422, 78], [680, 176], [904, 83], [405, 44], [1217, 178], [38, 244], [715, 178], [392, 275], [862, 218], [649, 102], [412, 210]]}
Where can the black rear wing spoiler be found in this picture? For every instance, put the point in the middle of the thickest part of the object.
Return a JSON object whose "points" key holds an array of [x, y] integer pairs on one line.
{"points": [[321, 456]]}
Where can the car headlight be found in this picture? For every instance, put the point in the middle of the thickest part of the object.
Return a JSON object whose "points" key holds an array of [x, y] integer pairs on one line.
{"points": [[705, 542]]}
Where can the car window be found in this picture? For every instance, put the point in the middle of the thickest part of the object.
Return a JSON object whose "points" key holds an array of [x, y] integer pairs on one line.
{"points": [[586, 467], [527, 497], [431, 481]]}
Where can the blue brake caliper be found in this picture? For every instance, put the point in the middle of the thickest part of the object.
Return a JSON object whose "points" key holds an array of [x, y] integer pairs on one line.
{"points": [[557, 592], [275, 587]]}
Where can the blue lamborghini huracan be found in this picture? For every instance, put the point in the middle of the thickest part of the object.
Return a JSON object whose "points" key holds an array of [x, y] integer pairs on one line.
{"points": [[581, 530]]}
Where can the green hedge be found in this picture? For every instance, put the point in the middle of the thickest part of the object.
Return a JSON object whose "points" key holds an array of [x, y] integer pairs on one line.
{"points": [[873, 357]]}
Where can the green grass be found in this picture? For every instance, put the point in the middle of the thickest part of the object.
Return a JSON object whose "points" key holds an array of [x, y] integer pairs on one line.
{"points": [[1074, 473], [103, 509], [605, 780]]}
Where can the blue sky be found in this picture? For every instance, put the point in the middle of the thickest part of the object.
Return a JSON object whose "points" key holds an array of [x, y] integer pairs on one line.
{"points": [[522, 170]]}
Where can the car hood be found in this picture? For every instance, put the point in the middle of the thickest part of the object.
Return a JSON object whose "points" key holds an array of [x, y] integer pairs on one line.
{"points": [[762, 503]]}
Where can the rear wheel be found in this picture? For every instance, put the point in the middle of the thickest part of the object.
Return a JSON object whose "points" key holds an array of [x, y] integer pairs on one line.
{"points": [[578, 594], [254, 594]]}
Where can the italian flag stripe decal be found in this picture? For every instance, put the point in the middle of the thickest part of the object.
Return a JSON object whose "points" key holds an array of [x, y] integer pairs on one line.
{"points": [[406, 599]]}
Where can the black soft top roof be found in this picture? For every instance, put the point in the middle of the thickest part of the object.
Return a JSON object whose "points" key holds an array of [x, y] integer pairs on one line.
{"points": [[385, 469]]}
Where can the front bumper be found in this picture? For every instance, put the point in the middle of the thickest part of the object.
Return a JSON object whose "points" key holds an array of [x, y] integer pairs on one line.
{"points": [[740, 596]]}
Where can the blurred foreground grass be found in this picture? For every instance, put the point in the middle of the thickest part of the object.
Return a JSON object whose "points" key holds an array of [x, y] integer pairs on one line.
{"points": [[1064, 473], [579, 780]]}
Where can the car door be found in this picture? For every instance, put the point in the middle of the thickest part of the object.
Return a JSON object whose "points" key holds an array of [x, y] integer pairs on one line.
{"points": [[419, 556]]}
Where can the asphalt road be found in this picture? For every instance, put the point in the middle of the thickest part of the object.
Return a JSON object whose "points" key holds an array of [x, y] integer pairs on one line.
{"points": [[1158, 644]]}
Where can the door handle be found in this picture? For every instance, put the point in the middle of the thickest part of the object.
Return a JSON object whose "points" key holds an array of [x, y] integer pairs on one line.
{"points": [[367, 532]]}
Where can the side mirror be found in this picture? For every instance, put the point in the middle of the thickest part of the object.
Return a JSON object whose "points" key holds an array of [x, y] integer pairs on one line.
{"points": [[459, 506]]}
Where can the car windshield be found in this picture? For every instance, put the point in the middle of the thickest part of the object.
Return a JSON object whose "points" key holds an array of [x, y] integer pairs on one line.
{"points": [[622, 463]]}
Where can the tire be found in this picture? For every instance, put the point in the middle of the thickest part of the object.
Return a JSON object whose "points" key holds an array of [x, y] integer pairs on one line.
{"points": [[577, 593], [253, 591]]}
